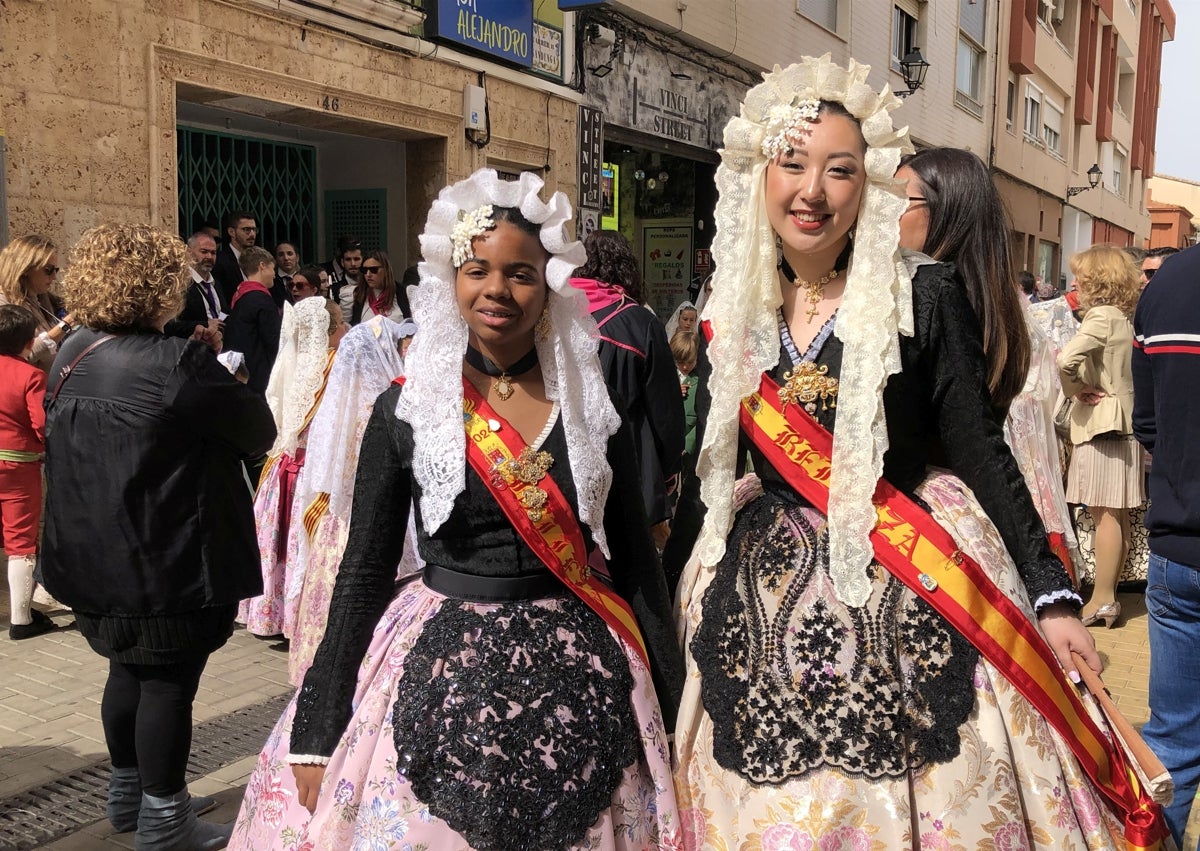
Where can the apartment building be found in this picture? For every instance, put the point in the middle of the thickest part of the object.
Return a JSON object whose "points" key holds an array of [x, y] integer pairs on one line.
{"points": [[660, 79], [1078, 89], [1171, 202], [323, 117]]}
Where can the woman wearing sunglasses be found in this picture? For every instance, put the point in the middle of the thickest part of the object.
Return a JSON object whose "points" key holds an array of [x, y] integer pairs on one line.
{"points": [[376, 293], [28, 269]]}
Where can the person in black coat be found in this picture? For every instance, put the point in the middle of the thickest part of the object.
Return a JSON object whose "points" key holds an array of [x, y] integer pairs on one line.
{"points": [[203, 307], [149, 527], [254, 321], [636, 359], [241, 227]]}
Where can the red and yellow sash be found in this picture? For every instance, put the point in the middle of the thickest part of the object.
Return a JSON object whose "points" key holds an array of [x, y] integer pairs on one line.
{"points": [[556, 538], [923, 555]]}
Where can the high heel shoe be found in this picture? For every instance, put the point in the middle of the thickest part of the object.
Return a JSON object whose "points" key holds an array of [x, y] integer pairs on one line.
{"points": [[1107, 614]]}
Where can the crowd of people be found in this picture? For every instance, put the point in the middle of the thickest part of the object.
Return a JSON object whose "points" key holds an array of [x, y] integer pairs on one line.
{"points": [[796, 568]]}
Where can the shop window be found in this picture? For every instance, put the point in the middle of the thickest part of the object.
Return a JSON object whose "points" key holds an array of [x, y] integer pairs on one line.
{"points": [[968, 78], [1045, 260]]}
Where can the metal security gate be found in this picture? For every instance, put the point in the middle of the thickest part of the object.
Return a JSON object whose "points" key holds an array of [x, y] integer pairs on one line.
{"points": [[277, 181]]}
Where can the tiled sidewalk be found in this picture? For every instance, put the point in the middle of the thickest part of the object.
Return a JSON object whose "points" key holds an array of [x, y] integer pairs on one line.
{"points": [[50, 690]]}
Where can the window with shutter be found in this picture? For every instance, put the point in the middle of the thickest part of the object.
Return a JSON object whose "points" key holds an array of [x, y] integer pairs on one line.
{"points": [[823, 12]]}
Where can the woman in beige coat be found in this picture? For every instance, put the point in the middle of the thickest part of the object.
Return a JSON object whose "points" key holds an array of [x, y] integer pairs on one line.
{"points": [[1106, 462]]}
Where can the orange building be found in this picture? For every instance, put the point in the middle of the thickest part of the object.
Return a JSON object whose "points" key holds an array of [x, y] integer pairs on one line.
{"points": [[1170, 226]]}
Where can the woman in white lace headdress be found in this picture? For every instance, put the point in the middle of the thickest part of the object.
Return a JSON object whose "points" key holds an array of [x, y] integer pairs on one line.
{"points": [[307, 342], [505, 697], [827, 705], [684, 318], [368, 360]]}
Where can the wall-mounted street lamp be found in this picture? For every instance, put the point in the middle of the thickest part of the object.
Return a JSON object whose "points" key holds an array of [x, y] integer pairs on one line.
{"points": [[914, 68], [1093, 175]]}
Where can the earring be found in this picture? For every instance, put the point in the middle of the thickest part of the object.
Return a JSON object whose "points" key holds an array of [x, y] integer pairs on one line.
{"points": [[542, 329]]}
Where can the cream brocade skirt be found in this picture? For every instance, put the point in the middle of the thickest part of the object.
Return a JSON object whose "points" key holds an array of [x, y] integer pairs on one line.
{"points": [[1013, 785]]}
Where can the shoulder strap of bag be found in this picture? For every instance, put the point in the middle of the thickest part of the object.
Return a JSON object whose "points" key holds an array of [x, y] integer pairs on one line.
{"points": [[65, 372]]}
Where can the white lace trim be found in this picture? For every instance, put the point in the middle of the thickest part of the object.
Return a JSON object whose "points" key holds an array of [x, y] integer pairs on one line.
{"points": [[299, 370], [432, 399], [367, 361], [1056, 597], [876, 308]]}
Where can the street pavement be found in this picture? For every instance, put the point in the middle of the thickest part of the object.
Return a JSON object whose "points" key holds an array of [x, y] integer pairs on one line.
{"points": [[50, 689]]}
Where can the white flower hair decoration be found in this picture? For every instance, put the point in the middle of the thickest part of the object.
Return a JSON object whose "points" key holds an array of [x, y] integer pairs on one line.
{"points": [[471, 223], [431, 402], [787, 125], [876, 307]]}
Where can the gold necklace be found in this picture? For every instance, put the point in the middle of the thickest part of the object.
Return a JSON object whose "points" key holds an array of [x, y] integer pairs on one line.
{"points": [[814, 291]]}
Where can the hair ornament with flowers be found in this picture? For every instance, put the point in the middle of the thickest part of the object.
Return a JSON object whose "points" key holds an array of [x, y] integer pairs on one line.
{"points": [[471, 224], [431, 402], [876, 305], [787, 125]]}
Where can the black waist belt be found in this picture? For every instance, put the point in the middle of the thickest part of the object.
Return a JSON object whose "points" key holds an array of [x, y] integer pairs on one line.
{"points": [[491, 589]]}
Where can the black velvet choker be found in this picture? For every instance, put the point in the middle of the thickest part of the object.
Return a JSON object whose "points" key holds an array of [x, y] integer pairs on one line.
{"points": [[503, 383]]}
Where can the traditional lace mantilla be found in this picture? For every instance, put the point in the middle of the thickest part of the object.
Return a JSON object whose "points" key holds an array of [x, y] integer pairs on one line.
{"points": [[876, 307], [432, 399], [299, 369], [368, 358]]}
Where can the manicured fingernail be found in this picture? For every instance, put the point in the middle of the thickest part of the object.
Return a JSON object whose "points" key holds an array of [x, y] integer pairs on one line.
{"points": [[1074, 675]]}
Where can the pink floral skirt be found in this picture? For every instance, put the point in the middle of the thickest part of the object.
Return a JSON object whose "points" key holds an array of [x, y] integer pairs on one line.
{"points": [[367, 802], [1012, 784], [273, 509]]}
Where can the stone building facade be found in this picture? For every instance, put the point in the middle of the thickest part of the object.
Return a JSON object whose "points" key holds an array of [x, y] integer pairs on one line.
{"points": [[96, 97]]}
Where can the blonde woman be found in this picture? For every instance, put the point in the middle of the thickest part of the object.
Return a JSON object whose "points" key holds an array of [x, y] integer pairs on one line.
{"points": [[1095, 370], [28, 268]]}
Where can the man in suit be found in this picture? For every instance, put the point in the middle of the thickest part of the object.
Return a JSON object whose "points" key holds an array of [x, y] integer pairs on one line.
{"points": [[287, 263], [241, 228], [344, 268], [203, 312]]}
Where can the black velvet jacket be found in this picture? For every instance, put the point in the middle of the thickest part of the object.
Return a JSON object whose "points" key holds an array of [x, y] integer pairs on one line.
{"points": [[149, 513], [939, 413], [476, 539]]}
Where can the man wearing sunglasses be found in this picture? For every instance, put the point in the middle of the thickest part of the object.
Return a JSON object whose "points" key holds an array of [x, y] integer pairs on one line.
{"points": [[1153, 260]]}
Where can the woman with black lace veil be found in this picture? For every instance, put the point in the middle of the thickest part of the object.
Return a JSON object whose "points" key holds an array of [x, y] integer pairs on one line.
{"points": [[835, 696], [504, 698]]}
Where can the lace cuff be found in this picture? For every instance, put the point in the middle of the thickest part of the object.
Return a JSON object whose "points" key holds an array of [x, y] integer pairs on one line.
{"points": [[306, 759], [1065, 595]]}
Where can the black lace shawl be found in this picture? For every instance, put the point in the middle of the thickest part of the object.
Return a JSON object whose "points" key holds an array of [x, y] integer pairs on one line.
{"points": [[939, 412]]}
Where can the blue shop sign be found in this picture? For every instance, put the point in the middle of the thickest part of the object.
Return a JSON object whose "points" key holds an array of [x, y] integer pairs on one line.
{"points": [[499, 28], [576, 5]]}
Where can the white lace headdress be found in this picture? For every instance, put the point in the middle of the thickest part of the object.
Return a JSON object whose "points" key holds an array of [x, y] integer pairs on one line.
{"points": [[876, 307], [299, 369], [432, 399], [367, 361]]}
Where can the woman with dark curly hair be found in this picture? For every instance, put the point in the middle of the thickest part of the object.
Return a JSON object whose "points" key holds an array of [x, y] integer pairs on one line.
{"points": [[28, 267], [149, 530], [636, 359]]}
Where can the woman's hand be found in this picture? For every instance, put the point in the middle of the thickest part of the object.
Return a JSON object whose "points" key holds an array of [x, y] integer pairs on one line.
{"points": [[1090, 396], [308, 784], [1065, 633], [210, 337]]}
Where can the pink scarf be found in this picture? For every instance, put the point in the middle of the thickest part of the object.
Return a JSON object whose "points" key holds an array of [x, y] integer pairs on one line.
{"points": [[599, 294]]}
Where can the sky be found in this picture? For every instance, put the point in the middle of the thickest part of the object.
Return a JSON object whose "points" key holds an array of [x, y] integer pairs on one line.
{"points": [[1178, 146]]}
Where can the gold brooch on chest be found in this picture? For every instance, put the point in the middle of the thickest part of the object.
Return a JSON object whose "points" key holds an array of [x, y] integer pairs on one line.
{"points": [[529, 468], [807, 384]]}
